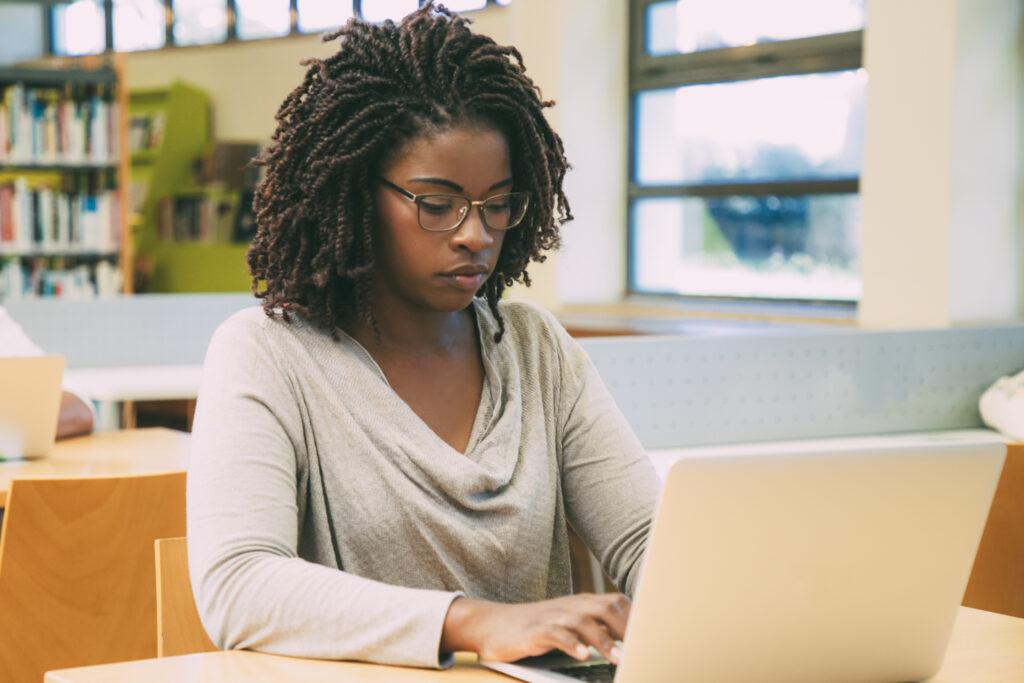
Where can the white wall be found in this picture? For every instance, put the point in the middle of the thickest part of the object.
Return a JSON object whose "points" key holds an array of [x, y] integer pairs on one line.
{"points": [[593, 121], [941, 180]]}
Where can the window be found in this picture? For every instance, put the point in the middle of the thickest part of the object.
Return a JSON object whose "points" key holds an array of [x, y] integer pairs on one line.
{"points": [[322, 15], [199, 22], [79, 28], [139, 25], [465, 5], [262, 18], [379, 10], [747, 125]]}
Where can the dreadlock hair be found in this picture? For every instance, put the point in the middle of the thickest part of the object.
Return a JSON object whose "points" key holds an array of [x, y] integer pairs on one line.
{"points": [[313, 249]]}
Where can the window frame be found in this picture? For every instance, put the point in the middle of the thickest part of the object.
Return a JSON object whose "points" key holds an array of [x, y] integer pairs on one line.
{"points": [[809, 55]]}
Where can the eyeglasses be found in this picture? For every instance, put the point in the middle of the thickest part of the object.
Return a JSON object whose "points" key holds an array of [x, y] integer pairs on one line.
{"points": [[445, 212]]}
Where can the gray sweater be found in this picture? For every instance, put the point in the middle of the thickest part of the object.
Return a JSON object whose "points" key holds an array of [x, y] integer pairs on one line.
{"points": [[326, 520]]}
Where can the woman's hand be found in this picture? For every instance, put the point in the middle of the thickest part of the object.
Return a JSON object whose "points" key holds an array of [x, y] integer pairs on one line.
{"points": [[502, 632]]}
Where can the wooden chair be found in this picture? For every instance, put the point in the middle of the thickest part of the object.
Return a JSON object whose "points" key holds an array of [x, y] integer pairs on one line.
{"points": [[997, 580], [587, 576], [178, 628], [77, 572]]}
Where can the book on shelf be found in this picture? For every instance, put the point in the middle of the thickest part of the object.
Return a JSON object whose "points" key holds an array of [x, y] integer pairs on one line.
{"points": [[58, 278], [146, 131], [57, 126], [81, 216], [245, 220], [227, 166], [197, 219]]}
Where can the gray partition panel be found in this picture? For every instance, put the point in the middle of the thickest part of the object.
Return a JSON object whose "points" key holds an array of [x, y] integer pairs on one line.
{"points": [[147, 329], [695, 391]]}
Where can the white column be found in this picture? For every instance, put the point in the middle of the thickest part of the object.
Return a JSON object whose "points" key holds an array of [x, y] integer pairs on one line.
{"points": [[941, 183], [576, 51], [536, 29], [593, 121]]}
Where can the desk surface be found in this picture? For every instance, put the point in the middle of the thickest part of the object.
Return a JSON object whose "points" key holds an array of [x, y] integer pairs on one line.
{"points": [[134, 451], [139, 383], [985, 648]]}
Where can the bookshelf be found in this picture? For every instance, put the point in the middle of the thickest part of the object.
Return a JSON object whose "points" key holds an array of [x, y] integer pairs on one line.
{"points": [[63, 179], [184, 248]]}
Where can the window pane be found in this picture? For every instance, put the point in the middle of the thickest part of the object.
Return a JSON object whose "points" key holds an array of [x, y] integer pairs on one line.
{"points": [[197, 22], [263, 18], [695, 25], [379, 10], [21, 33], [321, 15], [803, 247], [464, 5], [785, 128], [78, 28], [139, 25]]}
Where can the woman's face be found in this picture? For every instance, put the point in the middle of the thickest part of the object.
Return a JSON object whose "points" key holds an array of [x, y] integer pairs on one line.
{"points": [[441, 271]]}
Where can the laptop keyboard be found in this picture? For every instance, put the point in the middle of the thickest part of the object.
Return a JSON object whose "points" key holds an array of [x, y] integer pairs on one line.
{"points": [[600, 673]]}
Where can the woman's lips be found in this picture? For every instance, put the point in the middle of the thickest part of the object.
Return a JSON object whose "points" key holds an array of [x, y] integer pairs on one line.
{"points": [[469, 282]]}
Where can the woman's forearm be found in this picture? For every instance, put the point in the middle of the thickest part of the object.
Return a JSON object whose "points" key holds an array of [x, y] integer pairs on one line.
{"points": [[458, 634], [74, 418]]}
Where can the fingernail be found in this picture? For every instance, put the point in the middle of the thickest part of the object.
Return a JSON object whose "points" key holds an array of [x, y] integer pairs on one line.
{"points": [[616, 654], [582, 652]]}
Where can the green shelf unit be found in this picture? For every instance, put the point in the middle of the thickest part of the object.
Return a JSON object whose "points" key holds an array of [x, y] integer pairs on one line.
{"points": [[147, 156], [200, 267], [167, 171]]}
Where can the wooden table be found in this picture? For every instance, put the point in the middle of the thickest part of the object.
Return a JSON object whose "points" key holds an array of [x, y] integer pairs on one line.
{"points": [[985, 648], [133, 451]]}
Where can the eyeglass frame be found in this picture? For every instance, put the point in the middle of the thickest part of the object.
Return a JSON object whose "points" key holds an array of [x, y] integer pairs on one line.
{"points": [[472, 203]]}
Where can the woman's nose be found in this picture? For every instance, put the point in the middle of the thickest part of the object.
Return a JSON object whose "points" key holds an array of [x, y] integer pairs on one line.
{"points": [[473, 234]]}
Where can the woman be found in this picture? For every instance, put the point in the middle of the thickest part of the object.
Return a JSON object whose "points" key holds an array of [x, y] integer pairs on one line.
{"points": [[385, 457]]}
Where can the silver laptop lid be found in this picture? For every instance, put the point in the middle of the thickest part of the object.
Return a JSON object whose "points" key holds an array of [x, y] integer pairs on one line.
{"points": [[29, 404], [838, 560]]}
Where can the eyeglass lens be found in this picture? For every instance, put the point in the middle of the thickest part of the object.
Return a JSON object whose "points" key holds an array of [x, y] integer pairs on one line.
{"points": [[444, 212]]}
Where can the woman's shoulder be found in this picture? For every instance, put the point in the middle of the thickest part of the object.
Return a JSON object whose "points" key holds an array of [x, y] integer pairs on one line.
{"points": [[533, 329], [242, 325], [528, 318], [252, 329]]}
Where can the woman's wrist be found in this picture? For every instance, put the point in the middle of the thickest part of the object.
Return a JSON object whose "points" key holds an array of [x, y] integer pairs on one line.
{"points": [[461, 625]]}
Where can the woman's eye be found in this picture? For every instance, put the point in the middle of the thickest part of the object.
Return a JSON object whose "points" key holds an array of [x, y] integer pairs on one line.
{"points": [[435, 206], [497, 206]]}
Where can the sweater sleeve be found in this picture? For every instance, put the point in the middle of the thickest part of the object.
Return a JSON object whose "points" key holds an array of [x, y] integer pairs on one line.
{"points": [[252, 589], [608, 481]]}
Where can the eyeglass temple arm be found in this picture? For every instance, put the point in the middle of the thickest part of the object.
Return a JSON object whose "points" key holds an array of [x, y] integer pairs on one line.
{"points": [[402, 191]]}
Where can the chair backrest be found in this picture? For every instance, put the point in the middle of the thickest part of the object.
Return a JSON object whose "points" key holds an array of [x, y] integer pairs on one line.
{"points": [[178, 628], [77, 573], [997, 580]]}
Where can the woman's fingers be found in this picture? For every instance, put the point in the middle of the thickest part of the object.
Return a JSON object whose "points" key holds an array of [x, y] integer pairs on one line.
{"points": [[567, 640], [594, 633], [613, 612]]}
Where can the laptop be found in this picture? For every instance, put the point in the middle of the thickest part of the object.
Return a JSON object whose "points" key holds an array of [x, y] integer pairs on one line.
{"points": [[30, 397], [841, 560]]}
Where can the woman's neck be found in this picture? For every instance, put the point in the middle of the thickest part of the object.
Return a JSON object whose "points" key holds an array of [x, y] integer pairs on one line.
{"points": [[414, 330]]}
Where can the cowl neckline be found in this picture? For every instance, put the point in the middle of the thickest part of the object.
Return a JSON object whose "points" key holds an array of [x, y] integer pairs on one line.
{"points": [[492, 453]]}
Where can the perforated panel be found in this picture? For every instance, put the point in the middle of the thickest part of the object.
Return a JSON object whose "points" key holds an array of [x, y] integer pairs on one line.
{"points": [[675, 391], [695, 391], [152, 329]]}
